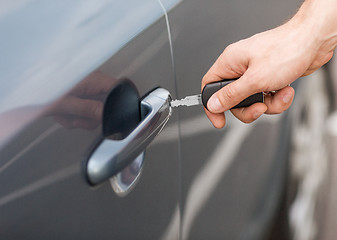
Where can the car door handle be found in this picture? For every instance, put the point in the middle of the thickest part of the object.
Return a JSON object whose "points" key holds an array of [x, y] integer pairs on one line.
{"points": [[111, 156]]}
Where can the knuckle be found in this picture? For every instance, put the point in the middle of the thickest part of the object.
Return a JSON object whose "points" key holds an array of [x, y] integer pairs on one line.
{"points": [[247, 120], [257, 81], [229, 48], [204, 80]]}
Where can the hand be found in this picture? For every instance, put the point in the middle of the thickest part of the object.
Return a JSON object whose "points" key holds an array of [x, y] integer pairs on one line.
{"points": [[265, 62]]}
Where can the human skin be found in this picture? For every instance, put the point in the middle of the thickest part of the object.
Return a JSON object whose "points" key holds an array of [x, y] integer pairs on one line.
{"points": [[271, 60]]}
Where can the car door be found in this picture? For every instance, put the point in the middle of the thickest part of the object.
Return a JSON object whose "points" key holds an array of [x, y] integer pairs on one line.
{"points": [[232, 179], [64, 67]]}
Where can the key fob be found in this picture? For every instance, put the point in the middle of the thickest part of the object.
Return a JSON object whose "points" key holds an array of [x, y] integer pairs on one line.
{"points": [[211, 88]]}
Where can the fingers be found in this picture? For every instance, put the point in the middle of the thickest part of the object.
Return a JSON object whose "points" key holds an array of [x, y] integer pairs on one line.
{"points": [[227, 66], [251, 113], [281, 101], [276, 104], [235, 62], [218, 119], [232, 63], [233, 93]]}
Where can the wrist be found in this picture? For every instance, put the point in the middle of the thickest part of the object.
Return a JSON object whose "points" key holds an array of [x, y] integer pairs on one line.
{"points": [[318, 21]]}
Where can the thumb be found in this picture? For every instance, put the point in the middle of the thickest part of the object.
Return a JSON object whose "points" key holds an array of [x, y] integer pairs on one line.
{"points": [[233, 93]]}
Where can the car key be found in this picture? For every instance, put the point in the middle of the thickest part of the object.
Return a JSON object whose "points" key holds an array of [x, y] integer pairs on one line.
{"points": [[209, 90], [187, 101]]}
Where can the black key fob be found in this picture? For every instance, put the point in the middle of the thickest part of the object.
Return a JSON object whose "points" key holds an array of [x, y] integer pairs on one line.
{"points": [[211, 88]]}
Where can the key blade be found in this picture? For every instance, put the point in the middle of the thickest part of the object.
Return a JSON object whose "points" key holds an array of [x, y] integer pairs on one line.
{"points": [[175, 103], [187, 101]]}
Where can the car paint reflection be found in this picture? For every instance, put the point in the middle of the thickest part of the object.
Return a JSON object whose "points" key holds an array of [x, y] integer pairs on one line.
{"points": [[82, 107], [123, 182]]}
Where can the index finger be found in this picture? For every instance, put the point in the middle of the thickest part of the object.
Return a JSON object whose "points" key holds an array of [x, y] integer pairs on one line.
{"points": [[233, 93], [232, 63]]}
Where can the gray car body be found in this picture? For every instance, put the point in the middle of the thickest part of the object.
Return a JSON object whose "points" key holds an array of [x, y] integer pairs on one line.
{"points": [[197, 182]]}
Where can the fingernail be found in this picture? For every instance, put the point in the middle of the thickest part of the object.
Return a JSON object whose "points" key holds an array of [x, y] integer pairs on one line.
{"points": [[257, 114], [214, 104], [287, 98]]}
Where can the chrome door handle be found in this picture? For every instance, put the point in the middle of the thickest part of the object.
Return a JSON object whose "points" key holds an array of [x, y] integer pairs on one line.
{"points": [[112, 156]]}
